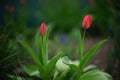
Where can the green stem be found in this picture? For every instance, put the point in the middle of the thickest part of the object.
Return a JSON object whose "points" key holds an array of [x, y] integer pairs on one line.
{"points": [[84, 35], [82, 46], [43, 51], [82, 50]]}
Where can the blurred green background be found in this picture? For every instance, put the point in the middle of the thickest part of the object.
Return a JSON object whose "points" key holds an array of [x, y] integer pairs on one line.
{"points": [[20, 19]]}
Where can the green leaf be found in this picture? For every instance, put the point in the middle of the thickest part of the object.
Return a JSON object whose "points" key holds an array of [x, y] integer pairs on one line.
{"points": [[45, 46], [38, 42], [80, 46], [95, 75], [107, 75], [91, 52], [67, 62], [32, 54], [31, 69], [74, 76], [89, 67], [51, 67], [7, 58], [61, 76], [73, 67], [62, 67], [42, 47]]}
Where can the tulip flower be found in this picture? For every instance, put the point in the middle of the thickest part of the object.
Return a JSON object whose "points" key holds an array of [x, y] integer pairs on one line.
{"points": [[91, 1], [87, 20], [6, 7], [22, 1], [42, 29], [12, 8]]}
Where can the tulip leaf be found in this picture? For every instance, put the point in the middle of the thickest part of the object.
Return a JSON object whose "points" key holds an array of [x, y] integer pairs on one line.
{"points": [[31, 69], [32, 54], [91, 52], [38, 41], [45, 46], [80, 46], [72, 66], [95, 75], [51, 67], [89, 67], [65, 60], [61, 76], [61, 66]]}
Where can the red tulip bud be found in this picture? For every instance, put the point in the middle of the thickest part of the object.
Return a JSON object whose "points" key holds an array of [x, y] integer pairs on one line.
{"points": [[6, 7], [87, 21], [12, 8], [91, 1], [22, 1], [42, 29]]}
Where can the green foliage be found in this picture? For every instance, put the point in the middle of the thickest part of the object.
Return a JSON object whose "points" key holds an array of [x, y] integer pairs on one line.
{"points": [[95, 75], [31, 69], [8, 56], [91, 52], [80, 46], [45, 67], [50, 67], [114, 52], [65, 68], [89, 73], [32, 54]]}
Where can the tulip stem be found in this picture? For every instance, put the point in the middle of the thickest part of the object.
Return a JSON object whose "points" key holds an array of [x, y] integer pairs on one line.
{"points": [[42, 40], [82, 50], [84, 35], [42, 51]]}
